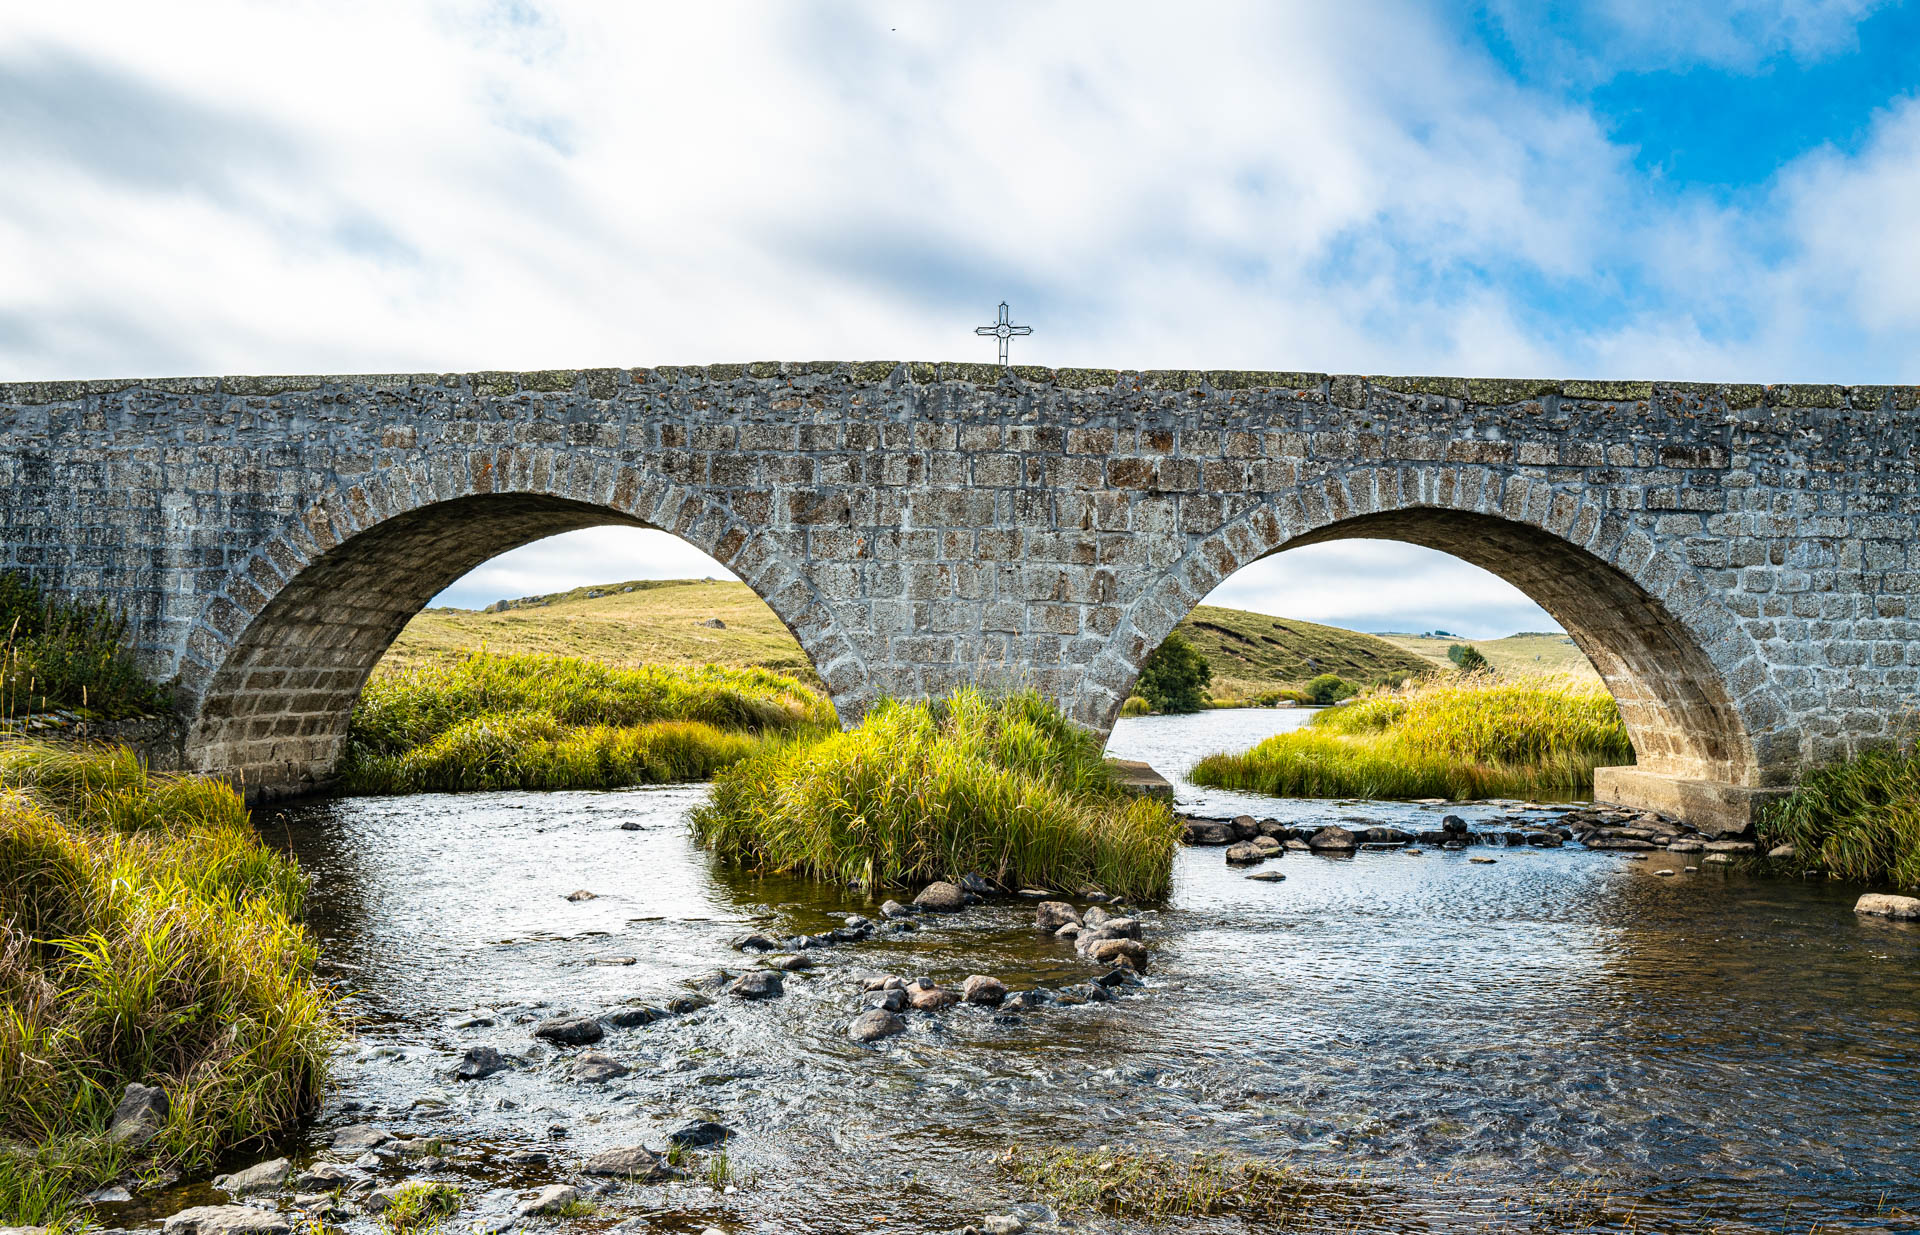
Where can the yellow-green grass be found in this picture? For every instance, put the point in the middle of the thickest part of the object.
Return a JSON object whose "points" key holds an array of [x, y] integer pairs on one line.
{"points": [[1002, 785], [529, 721], [1157, 1186], [1859, 819], [419, 1207], [659, 622], [145, 935], [1530, 652], [1255, 654], [1473, 737]]}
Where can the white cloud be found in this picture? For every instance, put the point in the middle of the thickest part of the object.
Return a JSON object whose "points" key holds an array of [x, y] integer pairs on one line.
{"points": [[578, 559]]}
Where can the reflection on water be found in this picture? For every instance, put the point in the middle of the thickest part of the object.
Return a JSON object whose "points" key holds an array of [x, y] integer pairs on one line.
{"points": [[1725, 1053]]}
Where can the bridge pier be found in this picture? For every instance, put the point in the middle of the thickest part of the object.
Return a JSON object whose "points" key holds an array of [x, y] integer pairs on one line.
{"points": [[1716, 809]]}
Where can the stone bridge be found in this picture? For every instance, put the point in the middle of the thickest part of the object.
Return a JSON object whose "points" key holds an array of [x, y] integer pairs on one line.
{"points": [[1737, 560]]}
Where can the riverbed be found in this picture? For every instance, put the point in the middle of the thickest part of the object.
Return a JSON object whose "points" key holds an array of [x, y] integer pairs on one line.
{"points": [[1559, 1040]]}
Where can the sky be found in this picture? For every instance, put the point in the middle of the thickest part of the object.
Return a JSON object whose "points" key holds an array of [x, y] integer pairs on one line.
{"points": [[1617, 189]]}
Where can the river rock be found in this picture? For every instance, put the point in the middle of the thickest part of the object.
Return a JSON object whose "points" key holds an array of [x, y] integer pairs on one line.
{"points": [[260, 1177], [880, 982], [1619, 842], [1483, 861], [627, 1162], [983, 990], [1245, 827], [550, 1202], [480, 1062], [700, 1134], [755, 942], [979, 884], [1207, 832], [1332, 839], [894, 909], [941, 897], [1002, 1224], [1242, 853], [324, 1177], [1113, 951], [226, 1220], [791, 963], [140, 1116], [1275, 829], [570, 1030], [877, 1024], [931, 998], [112, 1194], [1783, 853], [1732, 846], [1686, 846], [1094, 918], [583, 895], [1070, 931], [1267, 877], [681, 1005], [1298, 845], [1454, 825], [1119, 928], [1268, 846], [360, 1137], [1052, 915], [1887, 905], [597, 1068], [634, 1017], [758, 984], [1717, 859], [887, 1001]]}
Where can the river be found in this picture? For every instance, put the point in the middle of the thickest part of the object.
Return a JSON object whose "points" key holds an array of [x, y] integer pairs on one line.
{"points": [[1556, 1041]]}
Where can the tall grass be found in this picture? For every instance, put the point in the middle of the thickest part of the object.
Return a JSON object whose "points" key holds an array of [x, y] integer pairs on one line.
{"points": [[145, 935], [922, 791], [1470, 737], [1859, 819], [59, 654], [558, 722]]}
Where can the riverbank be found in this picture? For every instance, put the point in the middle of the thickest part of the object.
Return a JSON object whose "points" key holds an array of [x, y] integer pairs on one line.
{"points": [[157, 985], [1457, 738], [530, 721]]}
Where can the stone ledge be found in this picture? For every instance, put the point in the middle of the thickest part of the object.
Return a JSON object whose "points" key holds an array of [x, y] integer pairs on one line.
{"points": [[1715, 808]]}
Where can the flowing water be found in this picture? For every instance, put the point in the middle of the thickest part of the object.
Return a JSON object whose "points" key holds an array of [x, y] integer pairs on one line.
{"points": [[1557, 1041]]}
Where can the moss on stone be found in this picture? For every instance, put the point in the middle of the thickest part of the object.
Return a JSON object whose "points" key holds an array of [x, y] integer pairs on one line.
{"points": [[601, 383], [549, 381], [814, 368], [1441, 387], [726, 372], [764, 369], [1790, 394], [270, 385], [1085, 379], [1608, 392], [494, 382], [1500, 391], [978, 374], [1746, 395], [1170, 379], [1040, 375], [874, 370], [923, 373]]}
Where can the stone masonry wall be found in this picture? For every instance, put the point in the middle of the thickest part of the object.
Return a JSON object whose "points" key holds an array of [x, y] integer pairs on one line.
{"points": [[1738, 560]]}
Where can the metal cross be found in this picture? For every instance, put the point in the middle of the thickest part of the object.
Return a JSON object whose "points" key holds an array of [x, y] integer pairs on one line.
{"points": [[1003, 330]]}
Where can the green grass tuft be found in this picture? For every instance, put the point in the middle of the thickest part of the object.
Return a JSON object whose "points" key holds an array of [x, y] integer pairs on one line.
{"points": [[145, 935], [418, 1208], [1471, 737], [556, 722], [1154, 1186], [922, 791], [1859, 819]]}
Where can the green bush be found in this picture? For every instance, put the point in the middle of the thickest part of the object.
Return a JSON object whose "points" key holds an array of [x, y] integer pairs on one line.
{"points": [[1136, 706], [1468, 659], [558, 722], [1328, 688], [1859, 818], [1005, 786], [1175, 677], [145, 935], [58, 654], [1454, 738]]}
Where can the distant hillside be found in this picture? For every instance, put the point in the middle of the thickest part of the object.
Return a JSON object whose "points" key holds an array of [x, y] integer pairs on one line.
{"points": [[1528, 652], [671, 621], [1251, 650]]}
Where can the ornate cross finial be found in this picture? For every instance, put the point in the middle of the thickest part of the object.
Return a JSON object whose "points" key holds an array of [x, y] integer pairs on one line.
{"points": [[1003, 330]]}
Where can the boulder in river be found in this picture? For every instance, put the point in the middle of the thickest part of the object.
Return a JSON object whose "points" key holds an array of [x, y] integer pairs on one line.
{"points": [[979, 884], [792, 963], [1267, 877], [583, 895], [570, 1030], [226, 1220], [635, 1016], [700, 1134], [597, 1068], [1245, 827], [874, 1025], [1052, 915], [931, 998], [1207, 832], [941, 897], [359, 1137], [981, 989], [1332, 839], [1887, 905], [1113, 951], [756, 942], [551, 1202], [627, 1162], [887, 1000], [758, 984], [894, 909], [480, 1062], [1243, 853], [141, 1115], [260, 1177]]}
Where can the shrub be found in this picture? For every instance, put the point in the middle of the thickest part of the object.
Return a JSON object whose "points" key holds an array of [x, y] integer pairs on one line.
{"points": [[556, 722], [60, 654], [1468, 659], [1006, 786], [1454, 738], [1136, 706], [1175, 677], [1859, 818], [145, 935], [1328, 688]]}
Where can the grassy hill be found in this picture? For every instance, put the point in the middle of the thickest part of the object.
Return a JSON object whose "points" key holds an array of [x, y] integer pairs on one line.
{"points": [[1529, 652], [670, 621], [1251, 652]]}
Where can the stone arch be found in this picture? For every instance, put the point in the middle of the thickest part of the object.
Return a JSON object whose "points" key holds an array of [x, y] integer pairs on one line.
{"points": [[1685, 675], [274, 662]]}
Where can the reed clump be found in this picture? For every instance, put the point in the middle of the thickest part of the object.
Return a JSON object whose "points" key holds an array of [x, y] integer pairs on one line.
{"points": [[533, 721], [59, 654], [1475, 736], [1001, 785], [145, 935], [1858, 819]]}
